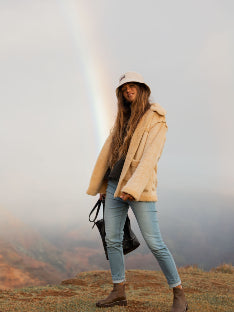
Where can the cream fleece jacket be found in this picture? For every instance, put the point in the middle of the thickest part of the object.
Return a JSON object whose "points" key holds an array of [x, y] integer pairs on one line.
{"points": [[139, 174]]}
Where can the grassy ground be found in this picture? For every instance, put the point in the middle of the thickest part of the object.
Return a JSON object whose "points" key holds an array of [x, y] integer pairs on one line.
{"points": [[146, 291]]}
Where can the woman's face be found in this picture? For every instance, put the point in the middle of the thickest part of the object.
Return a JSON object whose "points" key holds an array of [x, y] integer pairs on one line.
{"points": [[129, 91]]}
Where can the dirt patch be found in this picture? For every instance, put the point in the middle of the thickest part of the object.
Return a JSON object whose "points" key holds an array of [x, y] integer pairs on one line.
{"points": [[74, 281], [54, 293]]}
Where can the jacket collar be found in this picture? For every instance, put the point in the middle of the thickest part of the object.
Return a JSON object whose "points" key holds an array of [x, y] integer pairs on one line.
{"points": [[155, 107]]}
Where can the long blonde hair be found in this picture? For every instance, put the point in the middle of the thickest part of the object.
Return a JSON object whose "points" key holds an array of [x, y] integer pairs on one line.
{"points": [[128, 117]]}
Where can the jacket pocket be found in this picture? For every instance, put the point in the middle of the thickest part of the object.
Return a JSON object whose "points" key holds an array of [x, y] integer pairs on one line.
{"points": [[134, 163], [131, 169], [152, 183]]}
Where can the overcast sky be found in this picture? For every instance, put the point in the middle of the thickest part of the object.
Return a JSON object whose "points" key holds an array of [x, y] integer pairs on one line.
{"points": [[60, 62]]}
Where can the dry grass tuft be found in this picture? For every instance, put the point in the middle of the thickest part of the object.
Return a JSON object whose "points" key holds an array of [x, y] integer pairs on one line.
{"points": [[190, 269], [224, 268]]}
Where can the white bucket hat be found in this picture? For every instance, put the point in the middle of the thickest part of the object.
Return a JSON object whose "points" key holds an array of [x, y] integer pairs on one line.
{"points": [[131, 77]]}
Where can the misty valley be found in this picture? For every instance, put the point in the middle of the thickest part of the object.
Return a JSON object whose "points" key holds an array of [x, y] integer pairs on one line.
{"points": [[198, 231]]}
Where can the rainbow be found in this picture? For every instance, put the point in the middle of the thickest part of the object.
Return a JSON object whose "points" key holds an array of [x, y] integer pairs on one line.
{"points": [[77, 20]]}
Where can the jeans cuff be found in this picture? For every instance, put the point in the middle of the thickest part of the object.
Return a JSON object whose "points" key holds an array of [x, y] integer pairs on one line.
{"points": [[119, 281], [174, 285]]}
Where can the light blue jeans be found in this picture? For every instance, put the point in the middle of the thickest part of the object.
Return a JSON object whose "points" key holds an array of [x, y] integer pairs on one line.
{"points": [[146, 215]]}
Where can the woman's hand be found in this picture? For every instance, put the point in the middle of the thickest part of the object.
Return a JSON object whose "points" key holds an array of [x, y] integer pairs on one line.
{"points": [[126, 196], [102, 196]]}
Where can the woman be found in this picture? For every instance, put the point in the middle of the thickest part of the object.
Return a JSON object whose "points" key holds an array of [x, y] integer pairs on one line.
{"points": [[126, 175]]}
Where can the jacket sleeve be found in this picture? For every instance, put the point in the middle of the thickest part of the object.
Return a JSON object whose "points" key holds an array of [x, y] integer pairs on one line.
{"points": [[100, 169], [151, 154]]}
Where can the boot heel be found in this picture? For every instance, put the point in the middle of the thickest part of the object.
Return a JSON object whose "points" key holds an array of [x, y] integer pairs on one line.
{"points": [[123, 303], [119, 303]]}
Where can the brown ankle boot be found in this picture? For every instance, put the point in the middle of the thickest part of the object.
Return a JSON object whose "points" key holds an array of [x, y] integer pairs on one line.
{"points": [[179, 302], [116, 297]]}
